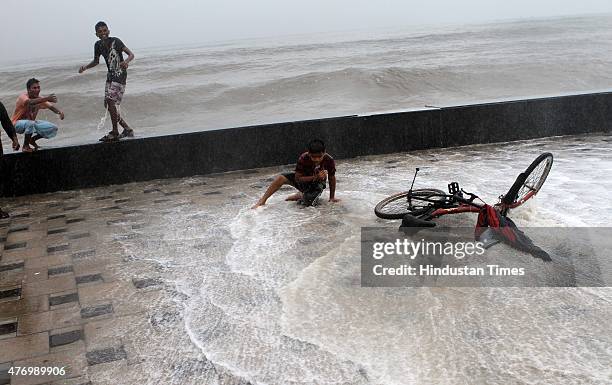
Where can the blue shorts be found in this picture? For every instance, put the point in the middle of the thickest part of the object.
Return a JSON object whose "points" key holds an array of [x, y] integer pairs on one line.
{"points": [[41, 127]]}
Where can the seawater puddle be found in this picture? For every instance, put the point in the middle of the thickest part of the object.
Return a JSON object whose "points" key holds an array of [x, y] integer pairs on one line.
{"points": [[273, 296]]}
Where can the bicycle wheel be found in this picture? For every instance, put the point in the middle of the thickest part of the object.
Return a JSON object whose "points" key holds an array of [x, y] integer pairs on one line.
{"points": [[530, 181], [396, 206]]}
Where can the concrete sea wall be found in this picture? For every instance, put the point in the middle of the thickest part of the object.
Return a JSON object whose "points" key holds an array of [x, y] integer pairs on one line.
{"points": [[239, 148]]}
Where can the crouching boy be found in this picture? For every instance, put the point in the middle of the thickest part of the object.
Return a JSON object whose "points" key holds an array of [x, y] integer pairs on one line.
{"points": [[312, 170]]}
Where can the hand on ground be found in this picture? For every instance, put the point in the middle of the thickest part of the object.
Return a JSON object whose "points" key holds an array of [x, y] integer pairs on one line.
{"points": [[61, 115], [334, 200], [81, 69]]}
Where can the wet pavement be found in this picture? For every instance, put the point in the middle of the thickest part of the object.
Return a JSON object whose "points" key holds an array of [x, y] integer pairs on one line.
{"points": [[179, 282]]}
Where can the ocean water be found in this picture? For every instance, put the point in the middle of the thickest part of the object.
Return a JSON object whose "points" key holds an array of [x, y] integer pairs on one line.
{"points": [[182, 89]]}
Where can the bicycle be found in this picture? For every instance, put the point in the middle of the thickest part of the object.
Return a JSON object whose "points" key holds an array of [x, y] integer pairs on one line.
{"points": [[421, 206]]}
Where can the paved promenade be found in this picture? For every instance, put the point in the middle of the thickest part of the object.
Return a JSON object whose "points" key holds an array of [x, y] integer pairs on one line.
{"points": [[72, 297]]}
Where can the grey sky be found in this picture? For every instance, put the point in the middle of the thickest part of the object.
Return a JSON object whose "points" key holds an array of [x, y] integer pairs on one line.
{"points": [[37, 28]]}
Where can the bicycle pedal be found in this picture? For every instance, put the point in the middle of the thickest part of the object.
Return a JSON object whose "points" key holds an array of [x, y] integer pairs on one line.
{"points": [[453, 188]]}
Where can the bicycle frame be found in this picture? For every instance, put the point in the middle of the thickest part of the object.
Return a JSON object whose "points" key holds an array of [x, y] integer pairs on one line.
{"points": [[448, 205]]}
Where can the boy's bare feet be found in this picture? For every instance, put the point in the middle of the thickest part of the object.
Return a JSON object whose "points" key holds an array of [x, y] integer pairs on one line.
{"points": [[259, 203], [110, 137], [127, 133], [27, 148]]}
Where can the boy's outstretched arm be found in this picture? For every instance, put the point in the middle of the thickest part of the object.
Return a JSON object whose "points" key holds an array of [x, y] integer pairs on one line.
{"points": [[124, 64], [332, 189], [51, 98], [58, 112], [92, 64]]}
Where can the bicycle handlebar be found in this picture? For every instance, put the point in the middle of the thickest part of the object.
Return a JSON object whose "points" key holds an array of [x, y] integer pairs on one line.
{"points": [[459, 198]]}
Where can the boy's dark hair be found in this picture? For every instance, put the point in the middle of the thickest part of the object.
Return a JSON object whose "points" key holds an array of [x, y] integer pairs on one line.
{"points": [[31, 82], [316, 146], [100, 24]]}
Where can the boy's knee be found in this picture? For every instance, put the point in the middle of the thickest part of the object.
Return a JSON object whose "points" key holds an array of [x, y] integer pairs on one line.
{"points": [[281, 179]]}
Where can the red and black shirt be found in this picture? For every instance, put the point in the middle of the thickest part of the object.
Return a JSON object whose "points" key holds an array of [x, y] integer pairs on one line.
{"points": [[307, 167]]}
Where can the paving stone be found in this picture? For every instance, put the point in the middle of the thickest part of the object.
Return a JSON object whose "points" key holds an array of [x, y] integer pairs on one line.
{"points": [[84, 254], [161, 200], [24, 306], [23, 254], [95, 311], [2, 239], [54, 204], [53, 285], [197, 184], [146, 282], [11, 278], [79, 236], [88, 278], [104, 197], [54, 319], [12, 266], [35, 235], [57, 231], [5, 377], [61, 299], [106, 355], [23, 347], [58, 248], [123, 200], [60, 270], [16, 229], [71, 208], [44, 262], [91, 295], [138, 226], [75, 220], [65, 338], [21, 215], [56, 216], [212, 193], [148, 191], [8, 328], [38, 274], [10, 294], [171, 193], [15, 246]]}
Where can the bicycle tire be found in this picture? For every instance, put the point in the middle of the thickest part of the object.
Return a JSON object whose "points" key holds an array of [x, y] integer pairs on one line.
{"points": [[392, 207], [529, 181]]}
